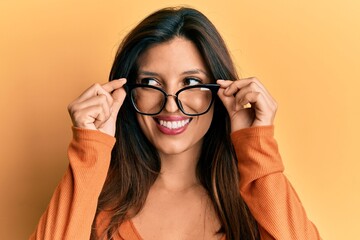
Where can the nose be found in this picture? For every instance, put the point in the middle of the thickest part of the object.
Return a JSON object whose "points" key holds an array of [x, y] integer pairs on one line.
{"points": [[171, 105]]}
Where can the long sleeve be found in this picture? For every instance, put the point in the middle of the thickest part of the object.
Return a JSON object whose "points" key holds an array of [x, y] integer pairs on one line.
{"points": [[73, 205], [267, 192]]}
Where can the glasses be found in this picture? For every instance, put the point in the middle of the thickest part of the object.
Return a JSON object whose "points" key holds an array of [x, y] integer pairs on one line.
{"points": [[193, 100]]}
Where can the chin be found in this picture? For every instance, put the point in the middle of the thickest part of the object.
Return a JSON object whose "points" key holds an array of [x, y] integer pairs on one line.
{"points": [[176, 149]]}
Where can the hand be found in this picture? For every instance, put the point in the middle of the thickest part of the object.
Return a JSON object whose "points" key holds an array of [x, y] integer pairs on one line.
{"points": [[98, 106], [235, 95]]}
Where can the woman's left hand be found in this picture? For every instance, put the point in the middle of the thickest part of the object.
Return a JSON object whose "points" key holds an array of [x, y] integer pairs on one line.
{"points": [[236, 95]]}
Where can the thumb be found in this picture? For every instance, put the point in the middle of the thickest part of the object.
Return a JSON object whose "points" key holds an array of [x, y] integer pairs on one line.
{"points": [[118, 99], [228, 101]]}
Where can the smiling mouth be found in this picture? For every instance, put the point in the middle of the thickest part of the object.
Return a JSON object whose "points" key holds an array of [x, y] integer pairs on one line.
{"points": [[173, 124]]}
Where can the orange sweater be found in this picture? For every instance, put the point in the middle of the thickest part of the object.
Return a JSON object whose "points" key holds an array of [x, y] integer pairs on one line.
{"points": [[269, 195]]}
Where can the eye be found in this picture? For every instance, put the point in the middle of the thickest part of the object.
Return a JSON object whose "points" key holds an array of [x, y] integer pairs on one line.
{"points": [[192, 81], [149, 81]]}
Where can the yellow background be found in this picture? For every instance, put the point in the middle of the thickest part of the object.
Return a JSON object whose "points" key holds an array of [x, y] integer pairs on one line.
{"points": [[305, 52]]}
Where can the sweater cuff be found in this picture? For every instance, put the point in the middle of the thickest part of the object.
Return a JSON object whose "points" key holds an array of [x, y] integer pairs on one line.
{"points": [[258, 131], [81, 134]]}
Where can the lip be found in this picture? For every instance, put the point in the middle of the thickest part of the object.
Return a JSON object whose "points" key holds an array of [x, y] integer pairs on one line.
{"points": [[169, 131]]}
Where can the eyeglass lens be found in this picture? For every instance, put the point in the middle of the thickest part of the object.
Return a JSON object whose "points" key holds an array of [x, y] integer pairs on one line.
{"points": [[192, 100]]}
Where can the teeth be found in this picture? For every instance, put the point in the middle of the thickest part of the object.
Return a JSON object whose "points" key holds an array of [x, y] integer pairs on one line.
{"points": [[174, 124]]}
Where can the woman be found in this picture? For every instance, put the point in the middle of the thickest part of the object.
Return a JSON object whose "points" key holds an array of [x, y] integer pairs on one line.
{"points": [[174, 147]]}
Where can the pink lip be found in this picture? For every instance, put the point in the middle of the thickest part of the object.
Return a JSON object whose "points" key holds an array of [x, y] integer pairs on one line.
{"points": [[168, 131]]}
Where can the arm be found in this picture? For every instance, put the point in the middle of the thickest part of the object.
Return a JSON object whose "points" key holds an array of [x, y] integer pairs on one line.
{"points": [[268, 193], [73, 205]]}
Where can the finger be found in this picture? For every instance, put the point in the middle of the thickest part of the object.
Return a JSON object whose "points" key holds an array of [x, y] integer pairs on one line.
{"points": [[90, 117], [253, 82], [242, 86], [270, 102], [224, 83], [101, 99], [237, 85], [114, 84], [94, 90], [256, 101], [98, 115], [79, 111], [228, 101], [247, 100], [249, 89], [118, 99], [264, 114], [97, 89], [108, 89], [118, 96], [231, 101]]}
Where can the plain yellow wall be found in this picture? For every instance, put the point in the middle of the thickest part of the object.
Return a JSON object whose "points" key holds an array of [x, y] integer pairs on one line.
{"points": [[306, 53]]}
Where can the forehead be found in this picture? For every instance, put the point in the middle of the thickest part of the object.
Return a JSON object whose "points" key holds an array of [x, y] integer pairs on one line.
{"points": [[177, 55]]}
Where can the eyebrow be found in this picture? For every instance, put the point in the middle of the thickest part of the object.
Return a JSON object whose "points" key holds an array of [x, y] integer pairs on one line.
{"points": [[195, 71], [147, 73], [192, 71]]}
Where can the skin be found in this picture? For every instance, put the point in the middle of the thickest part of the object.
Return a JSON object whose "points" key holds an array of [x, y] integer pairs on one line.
{"points": [[166, 212], [170, 65]]}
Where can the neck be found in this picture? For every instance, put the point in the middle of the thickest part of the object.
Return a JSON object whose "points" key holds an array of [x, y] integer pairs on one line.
{"points": [[178, 172]]}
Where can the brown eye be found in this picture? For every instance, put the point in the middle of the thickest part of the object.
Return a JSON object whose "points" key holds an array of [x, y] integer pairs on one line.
{"points": [[149, 81], [192, 81]]}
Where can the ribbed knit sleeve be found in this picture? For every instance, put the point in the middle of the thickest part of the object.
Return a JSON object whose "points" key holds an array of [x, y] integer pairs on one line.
{"points": [[267, 192], [73, 205]]}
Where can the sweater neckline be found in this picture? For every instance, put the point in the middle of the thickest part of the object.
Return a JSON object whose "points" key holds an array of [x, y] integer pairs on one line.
{"points": [[128, 231]]}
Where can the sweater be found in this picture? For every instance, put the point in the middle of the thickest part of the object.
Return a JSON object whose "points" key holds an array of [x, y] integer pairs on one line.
{"points": [[269, 195]]}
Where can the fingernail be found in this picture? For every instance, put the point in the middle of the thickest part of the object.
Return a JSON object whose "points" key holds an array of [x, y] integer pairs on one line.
{"points": [[248, 105]]}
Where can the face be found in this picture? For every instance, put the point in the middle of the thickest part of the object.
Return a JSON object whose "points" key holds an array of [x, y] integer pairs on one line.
{"points": [[172, 66]]}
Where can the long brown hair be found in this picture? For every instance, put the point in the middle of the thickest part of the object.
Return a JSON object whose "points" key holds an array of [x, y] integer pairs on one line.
{"points": [[135, 163]]}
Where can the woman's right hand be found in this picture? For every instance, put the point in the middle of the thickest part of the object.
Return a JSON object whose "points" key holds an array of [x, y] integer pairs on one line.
{"points": [[98, 106]]}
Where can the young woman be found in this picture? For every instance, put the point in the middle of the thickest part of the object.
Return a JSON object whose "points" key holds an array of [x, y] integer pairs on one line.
{"points": [[174, 146]]}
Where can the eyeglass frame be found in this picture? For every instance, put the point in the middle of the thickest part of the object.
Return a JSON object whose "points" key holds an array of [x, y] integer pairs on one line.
{"points": [[213, 87]]}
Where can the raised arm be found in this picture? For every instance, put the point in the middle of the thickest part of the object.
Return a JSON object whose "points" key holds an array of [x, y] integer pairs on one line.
{"points": [[264, 187], [73, 205], [266, 190]]}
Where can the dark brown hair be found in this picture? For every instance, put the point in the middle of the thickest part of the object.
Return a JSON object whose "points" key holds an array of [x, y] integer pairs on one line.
{"points": [[135, 163]]}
